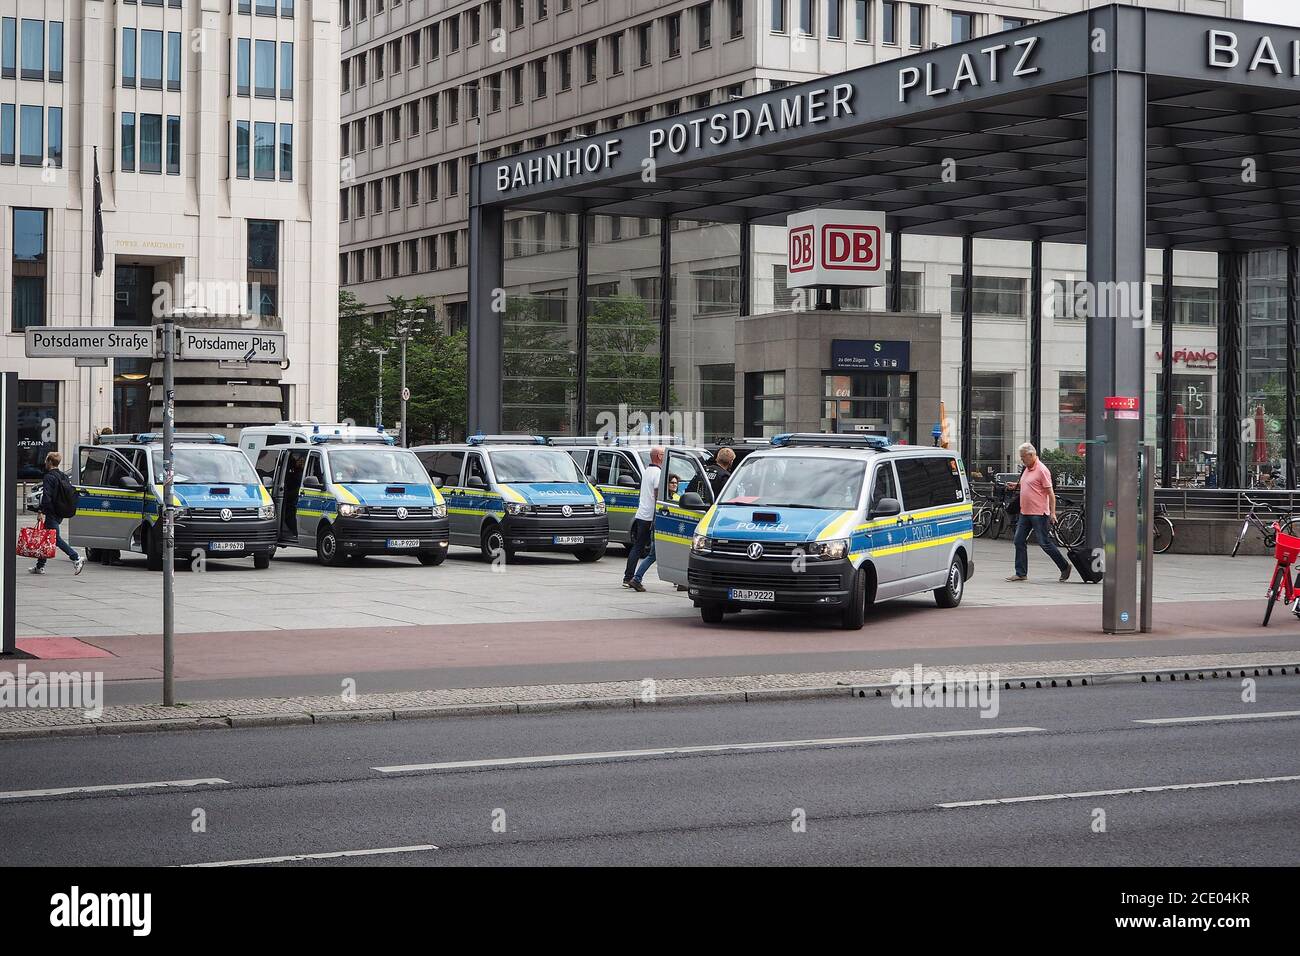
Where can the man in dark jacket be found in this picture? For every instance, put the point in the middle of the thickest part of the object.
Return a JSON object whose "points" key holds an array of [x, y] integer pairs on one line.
{"points": [[51, 495]]}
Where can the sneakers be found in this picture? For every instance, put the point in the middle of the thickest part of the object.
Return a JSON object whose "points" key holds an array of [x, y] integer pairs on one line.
{"points": [[37, 569], [635, 585], [78, 565], [1017, 578]]}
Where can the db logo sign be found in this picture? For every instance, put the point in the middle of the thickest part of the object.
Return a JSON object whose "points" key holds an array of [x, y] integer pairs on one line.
{"points": [[836, 248]]}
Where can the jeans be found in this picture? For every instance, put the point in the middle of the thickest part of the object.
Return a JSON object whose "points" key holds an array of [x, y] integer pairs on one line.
{"points": [[641, 532], [58, 541], [648, 560], [1040, 525]]}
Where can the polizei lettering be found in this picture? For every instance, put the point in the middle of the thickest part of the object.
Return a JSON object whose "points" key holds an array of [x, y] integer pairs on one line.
{"points": [[790, 112], [581, 160], [992, 64], [1224, 52]]}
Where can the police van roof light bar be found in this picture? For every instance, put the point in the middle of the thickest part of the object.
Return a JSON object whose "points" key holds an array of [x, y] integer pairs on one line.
{"points": [[505, 440], [319, 439], [149, 438], [818, 440]]}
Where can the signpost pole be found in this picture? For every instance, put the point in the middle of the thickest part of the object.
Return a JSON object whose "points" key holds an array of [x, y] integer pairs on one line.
{"points": [[8, 509], [405, 441], [168, 514]]}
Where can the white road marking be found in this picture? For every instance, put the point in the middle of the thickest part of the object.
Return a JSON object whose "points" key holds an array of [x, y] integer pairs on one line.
{"points": [[1117, 793], [1214, 717], [333, 855], [702, 749], [110, 788]]}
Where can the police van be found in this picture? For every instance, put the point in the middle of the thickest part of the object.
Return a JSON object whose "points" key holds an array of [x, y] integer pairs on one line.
{"points": [[256, 437], [348, 498], [225, 512], [824, 523], [512, 493], [614, 467]]}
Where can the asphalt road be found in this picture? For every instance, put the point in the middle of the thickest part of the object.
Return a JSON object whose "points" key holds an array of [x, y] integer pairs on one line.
{"points": [[563, 789]]}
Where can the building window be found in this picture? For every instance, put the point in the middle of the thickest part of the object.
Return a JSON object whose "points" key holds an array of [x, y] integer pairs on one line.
{"points": [[174, 68], [1015, 23], [778, 16], [263, 267], [835, 19], [517, 85], [764, 404], [963, 27], [264, 151], [541, 9], [862, 20], [128, 57], [56, 51], [564, 60], [807, 17], [1001, 297], [128, 142], [286, 71], [453, 33], [173, 146], [539, 78], [150, 143], [736, 17], [286, 152], [8, 48], [241, 149], [242, 68], [265, 69], [38, 406], [453, 107], [8, 134], [616, 54], [889, 22], [55, 137], [644, 42], [30, 267], [475, 26], [704, 26], [673, 34], [917, 23], [589, 62], [151, 60], [31, 138], [33, 50]]}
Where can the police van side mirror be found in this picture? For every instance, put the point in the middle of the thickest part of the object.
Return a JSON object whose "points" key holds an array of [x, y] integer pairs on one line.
{"points": [[131, 483], [436, 482], [691, 500], [268, 481], [886, 507], [476, 482], [627, 481], [311, 481]]}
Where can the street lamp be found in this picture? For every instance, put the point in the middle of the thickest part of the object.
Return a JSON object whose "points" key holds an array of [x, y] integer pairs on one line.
{"points": [[379, 395], [404, 326]]}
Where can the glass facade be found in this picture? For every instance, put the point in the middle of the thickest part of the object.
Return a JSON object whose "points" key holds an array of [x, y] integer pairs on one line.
{"points": [[30, 268], [263, 267]]}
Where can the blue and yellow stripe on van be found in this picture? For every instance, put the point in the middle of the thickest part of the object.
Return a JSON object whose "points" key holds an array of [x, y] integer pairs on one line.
{"points": [[95, 502], [317, 504], [935, 527], [476, 502], [676, 527], [619, 500]]}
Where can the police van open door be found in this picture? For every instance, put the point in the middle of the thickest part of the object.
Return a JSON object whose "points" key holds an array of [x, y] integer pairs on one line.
{"points": [[684, 496]]}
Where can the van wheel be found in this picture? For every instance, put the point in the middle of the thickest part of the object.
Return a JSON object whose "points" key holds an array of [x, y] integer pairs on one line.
{"points": [[262, 559], [588, 555], [328, 550], [492, 542], [711, 613], [153, 550], [431, 559], [950, 594], [852, 617]]}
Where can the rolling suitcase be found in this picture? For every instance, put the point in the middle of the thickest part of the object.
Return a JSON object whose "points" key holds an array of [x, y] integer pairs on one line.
{"points": [[1081, 558]]}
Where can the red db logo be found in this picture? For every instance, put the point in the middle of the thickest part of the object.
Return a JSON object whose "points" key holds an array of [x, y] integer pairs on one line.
{"points": [[854, 248], [801, 249]]}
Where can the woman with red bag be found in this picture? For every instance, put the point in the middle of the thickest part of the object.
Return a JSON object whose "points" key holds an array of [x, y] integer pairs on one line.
{"points": [[55, 487]]}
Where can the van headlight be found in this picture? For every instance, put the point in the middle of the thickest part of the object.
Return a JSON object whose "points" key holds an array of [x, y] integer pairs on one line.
{"points": [[266, 511], [702, 544], [832, 550], [517, 508], [599, 508], [440, 511], [351, 511]]}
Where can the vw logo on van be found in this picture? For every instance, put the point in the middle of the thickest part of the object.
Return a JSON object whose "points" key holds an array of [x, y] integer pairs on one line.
{"points": [[755, 550], [567, 511], [226, 514], [401, 514]]}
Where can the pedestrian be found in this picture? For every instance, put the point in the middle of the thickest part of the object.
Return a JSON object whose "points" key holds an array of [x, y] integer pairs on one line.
{"points": [[57, 494], [1037, 513], [724, 459], [643, 524]]}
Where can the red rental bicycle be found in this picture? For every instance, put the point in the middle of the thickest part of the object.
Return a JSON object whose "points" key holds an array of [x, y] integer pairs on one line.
{"points": [[1285, 584]]}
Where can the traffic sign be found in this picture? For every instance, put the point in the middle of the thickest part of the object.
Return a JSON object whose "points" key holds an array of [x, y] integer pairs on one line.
{"points": [[406, 394], [214, 345], [95, 342]]}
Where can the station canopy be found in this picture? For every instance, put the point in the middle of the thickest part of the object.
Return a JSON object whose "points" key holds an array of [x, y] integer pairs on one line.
{"points": [[988, 137]]}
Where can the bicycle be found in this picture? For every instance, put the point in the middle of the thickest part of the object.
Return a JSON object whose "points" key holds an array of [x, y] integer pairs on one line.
{"points": [[1162, 530], [1071, 527], [1282, 522], [1286, 551]]}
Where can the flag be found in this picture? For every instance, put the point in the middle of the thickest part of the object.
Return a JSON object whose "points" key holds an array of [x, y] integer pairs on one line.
{"points": [[99, 221]]}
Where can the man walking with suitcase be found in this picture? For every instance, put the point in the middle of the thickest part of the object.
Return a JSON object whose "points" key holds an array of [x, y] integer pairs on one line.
{"points": [[58, 501], [1037, 514]]}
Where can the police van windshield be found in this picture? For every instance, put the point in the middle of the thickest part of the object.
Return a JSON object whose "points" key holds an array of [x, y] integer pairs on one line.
{"points": [[792, 482], [376, 466], [539, 465], [207, 466]]}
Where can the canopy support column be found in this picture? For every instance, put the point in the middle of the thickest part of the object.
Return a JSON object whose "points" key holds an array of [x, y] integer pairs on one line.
{"points": [[487, 304], [1167, 367], [967, 347]]}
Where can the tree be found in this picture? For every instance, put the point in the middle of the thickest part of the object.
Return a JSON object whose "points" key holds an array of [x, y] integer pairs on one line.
{"points": [[359, 337]]}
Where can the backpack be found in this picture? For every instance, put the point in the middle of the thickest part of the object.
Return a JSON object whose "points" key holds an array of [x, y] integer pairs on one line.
{"points": [[65, 498]]}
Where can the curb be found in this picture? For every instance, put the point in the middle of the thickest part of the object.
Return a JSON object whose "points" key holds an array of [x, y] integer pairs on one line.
{"points": [[541, 706]]}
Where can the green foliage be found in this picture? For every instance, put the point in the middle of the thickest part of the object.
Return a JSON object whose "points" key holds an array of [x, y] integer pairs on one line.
{"points": [[1064, 464]]}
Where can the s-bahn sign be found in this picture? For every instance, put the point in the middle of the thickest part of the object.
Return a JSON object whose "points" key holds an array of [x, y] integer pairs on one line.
{"points": [[835, 247]]}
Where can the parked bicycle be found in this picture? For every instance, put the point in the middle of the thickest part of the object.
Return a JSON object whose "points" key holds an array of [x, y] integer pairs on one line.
{"points": [[1071, 526], [1267, 520], [1285, 584], [1162, 531]]}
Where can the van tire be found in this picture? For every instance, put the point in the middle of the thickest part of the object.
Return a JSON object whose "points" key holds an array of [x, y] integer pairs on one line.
{"points": [[950, 594], [328, 550], [853, 616], [711, 613], [153, 549], [262, 559], [491, 541], [589, 555], [431, 559]]}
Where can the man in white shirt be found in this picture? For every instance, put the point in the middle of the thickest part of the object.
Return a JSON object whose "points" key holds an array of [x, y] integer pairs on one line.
{"points": [[643, 524]]}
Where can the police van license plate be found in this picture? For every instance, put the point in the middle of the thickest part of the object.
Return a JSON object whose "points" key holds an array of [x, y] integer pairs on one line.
{"points": [[403, 542], [569, 539], [749, 594], [225, 546]]}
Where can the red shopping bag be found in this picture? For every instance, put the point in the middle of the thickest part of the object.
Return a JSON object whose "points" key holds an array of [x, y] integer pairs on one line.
{"points": [[36, 542]]}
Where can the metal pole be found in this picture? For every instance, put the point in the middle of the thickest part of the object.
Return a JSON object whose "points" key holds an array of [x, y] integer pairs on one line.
{"points": [[967, 347], [168, 516], [379, 396], [1292, 345], [1036, 344], [1167, 367], [405, 443], [1146, 543]]}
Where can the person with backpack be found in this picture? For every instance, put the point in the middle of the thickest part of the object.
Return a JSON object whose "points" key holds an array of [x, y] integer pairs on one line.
{"points": [[58, 501]]}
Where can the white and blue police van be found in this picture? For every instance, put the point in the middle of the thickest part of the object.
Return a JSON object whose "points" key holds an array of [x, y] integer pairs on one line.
{"points": [[513, 493], [826, 524], [224, 510], [347, 495]]}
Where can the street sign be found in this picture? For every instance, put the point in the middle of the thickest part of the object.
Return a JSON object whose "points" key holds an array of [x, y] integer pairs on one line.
{"points": [[406, 394], [96, 342], [214, 345]]}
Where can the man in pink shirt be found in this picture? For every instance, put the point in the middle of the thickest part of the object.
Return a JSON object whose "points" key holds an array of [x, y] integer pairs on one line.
{"points": [[1037, 514]]}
